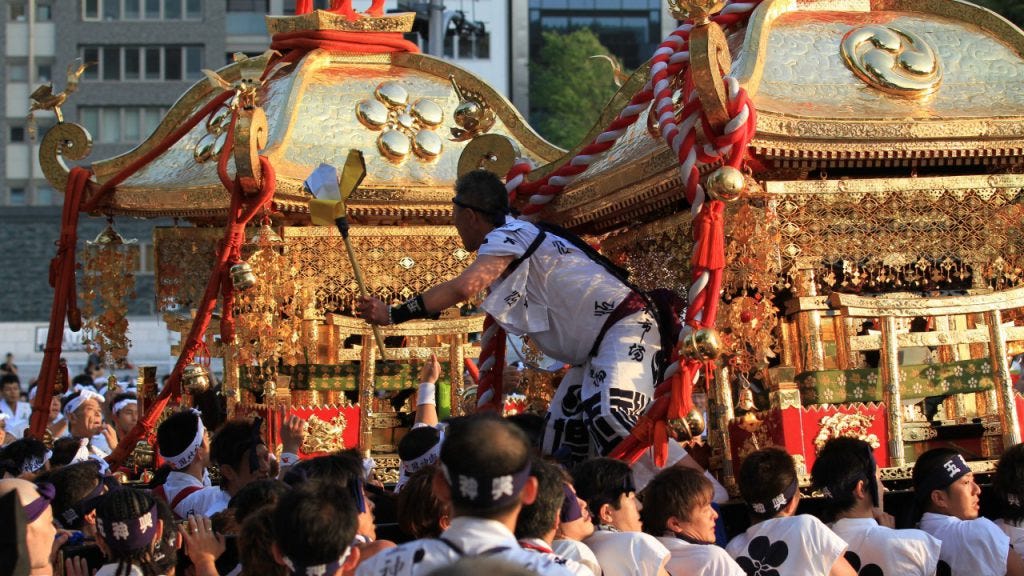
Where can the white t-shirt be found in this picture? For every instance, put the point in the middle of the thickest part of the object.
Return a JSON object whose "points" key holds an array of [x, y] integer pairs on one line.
{"points": [[465, 537], [1016, 534], [539, 546], [627, 553], [971, 547], [902, 552], [792, 545], [699, 559], [578, 551], [559, 295], [206, 501], [18, 419]]}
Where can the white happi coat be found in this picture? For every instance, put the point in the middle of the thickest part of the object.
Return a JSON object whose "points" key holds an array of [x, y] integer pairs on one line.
{"points": [[699, 559], [1016, 534], [970, 547], [627, 553], [561, 298], [793, 545], [17, 419], [895, 552], [465, 537], [206, 501]]}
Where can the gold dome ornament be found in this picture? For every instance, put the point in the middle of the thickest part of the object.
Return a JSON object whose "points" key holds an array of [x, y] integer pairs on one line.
{"points": [[725, 184], [195, 378], [405, 125], [394, 144], [242, 276], [702, 344], [687, 428], [472, 115]]}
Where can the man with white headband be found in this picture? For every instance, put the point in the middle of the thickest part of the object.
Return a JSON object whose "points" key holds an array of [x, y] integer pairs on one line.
{"points": [[84, 412], [780, 541], [485, 475], [944, 489], [421, 447], [124, 409], [184, 446]]}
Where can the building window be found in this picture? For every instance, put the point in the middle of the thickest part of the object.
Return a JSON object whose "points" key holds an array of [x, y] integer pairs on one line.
{"points": [[16, 134], [120, 124], [44, 13], [44, 72], [148, 63], [17, 73], [17, 12], [17, 196], [142, 9], [44, 195]]}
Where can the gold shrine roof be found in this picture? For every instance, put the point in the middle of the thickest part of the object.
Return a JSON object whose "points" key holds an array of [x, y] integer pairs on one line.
{"points": [[814, 111], [311, 109]]}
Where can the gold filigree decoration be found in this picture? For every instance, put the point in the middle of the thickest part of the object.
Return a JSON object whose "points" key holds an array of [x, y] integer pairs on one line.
{"points": [[841, 424], [268, 316], [404, 125], [746, 325], [891, 60], [903, 234], [107, 284], [324, 436]]}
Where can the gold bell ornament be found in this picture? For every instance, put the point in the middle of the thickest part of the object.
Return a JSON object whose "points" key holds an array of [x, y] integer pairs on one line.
{"points": [[242, 276], [195, 378], [725, 184], [701, 344]]}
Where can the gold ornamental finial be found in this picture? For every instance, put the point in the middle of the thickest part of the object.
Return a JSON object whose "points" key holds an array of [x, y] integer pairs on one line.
{"points": [[699, 11], [43, 97]]}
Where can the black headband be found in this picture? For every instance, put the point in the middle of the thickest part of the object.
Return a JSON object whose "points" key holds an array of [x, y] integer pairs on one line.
{"points": [[775, 503], [939, 477]]}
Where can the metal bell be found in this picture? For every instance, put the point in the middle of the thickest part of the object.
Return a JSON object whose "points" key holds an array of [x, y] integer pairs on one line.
{"points": [[242, 276], [195, 378], [703, 344]]}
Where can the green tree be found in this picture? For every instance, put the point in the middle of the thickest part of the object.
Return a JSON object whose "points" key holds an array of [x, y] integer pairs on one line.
{"points": [[568, 90], [1012, 10]]}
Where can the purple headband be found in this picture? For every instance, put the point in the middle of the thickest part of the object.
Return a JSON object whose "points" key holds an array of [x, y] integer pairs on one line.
{"points": [[483, 492], [131, 534], [316, 569], [777, 503], [570, 506], [35, 508], [69, 518], [954, 468]]}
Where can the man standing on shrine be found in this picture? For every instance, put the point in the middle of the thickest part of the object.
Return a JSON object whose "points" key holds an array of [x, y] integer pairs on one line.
{"points": [[571, 304]]}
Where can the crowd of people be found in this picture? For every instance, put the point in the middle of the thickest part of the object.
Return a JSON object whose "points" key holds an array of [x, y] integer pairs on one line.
{"points": [[476, 495]]}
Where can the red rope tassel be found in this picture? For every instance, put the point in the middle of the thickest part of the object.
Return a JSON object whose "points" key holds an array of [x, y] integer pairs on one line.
{"points": [[65, 303], [709, 234]]}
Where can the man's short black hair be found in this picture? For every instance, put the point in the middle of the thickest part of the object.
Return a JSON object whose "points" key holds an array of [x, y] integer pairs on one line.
{"points": [[175, 434], [484, 445], [315, 523], [764, 475], [9, 378], [601, 481], [483, 192], [341, 468], [72, 484], [232, 441], [537, 519], [839, 466], [256, 495], [1009, 483], [417, 442], [675, 491]]}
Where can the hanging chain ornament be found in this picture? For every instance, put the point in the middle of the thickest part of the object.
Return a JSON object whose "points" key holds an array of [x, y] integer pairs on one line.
{"points": [[108, 282], [267, 327]]}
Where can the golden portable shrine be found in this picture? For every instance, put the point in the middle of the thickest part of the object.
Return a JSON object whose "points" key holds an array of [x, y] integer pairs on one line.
{"points": [[842, 178]]}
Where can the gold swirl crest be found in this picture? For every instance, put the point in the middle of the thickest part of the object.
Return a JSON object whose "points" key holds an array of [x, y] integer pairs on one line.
{"points": [[893, 61]]}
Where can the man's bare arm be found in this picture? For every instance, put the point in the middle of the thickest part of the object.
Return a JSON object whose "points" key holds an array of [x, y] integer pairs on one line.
{"points": [[473, 280]]}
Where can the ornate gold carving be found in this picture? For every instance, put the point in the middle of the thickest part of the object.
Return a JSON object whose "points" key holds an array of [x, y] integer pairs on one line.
{"points": [[405, 127], [709, 60], [319, 20], [324, 436], [65, 140], [918, 433], [107, 284], [43, 97], [782, 399], [697, 10], [841, 424], [892, 60], [250, 138], [473, 115]]}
